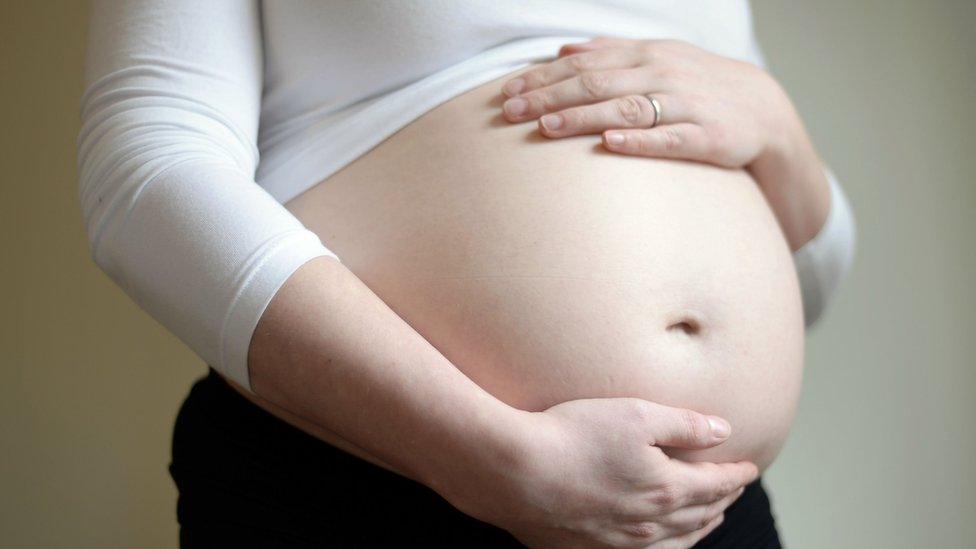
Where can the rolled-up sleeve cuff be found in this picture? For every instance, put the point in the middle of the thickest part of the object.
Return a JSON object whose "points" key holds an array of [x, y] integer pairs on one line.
{"points": [[268, 270]]}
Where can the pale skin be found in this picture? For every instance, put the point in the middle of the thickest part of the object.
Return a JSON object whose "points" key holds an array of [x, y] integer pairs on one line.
{"points": [[330, 357], [714, 109]]}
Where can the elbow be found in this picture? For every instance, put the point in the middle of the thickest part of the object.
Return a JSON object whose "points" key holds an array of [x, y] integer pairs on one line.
{"points": [[128, 145]]}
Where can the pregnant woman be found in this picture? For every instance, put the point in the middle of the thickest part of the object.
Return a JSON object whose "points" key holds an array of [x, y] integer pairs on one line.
{"points": [[506, 273]]}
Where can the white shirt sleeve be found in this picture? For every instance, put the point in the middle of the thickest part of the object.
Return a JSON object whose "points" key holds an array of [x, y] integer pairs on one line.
{"points": [[826, 259], [167, 155]]}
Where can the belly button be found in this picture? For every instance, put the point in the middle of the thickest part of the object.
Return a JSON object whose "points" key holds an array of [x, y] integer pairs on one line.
{"points": [[686, 322]]}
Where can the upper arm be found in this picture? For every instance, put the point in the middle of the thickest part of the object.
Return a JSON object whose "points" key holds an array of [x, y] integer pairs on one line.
{"points": [[167, 157], [182, 78]]}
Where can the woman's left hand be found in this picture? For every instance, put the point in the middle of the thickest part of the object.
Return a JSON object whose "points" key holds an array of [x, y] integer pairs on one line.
{"points": [[713, 109]]}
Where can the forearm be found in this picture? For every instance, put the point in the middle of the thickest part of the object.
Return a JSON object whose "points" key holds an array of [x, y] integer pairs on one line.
{"points": [[311, 428], [792, 177], [328, 350]]}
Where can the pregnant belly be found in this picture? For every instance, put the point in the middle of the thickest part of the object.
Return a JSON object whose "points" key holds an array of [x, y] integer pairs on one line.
{"points": [[549, 270]]}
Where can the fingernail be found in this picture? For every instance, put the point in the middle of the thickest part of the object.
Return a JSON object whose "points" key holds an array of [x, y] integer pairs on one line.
{"points": [[552, 122], [615, 139], [513, 87], [720, 427], [516, 106]]}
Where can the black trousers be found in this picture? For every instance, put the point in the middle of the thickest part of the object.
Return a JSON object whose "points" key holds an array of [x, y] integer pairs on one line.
{"points": [[248, 479]]}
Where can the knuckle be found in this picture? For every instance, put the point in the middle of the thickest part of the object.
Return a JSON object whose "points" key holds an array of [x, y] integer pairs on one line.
{"points": [[645, 144], [665, 497], [579, 62], [533, 80], [725, 487], [639, 410], [673, 74], [730, 485], [642, 530], [650, 54], [574, 118], [672, 142], [545, 101], [594, 84], [705, 518], [693, 423], [649, 47], [631, 109]]}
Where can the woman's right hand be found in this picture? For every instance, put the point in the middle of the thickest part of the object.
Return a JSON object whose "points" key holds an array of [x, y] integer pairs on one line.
{"points": [[591, 473]]}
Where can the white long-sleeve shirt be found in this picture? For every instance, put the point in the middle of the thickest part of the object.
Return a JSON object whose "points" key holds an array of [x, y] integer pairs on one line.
{"points": [[185, 96]]}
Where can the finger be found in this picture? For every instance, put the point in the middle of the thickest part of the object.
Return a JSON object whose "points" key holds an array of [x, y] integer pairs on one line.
{"points": [[630, 111], [704, 483], [688, 540], [695, 517], [587, 88], [597, 43], [568, 67], [683, 140], [682, 428]]}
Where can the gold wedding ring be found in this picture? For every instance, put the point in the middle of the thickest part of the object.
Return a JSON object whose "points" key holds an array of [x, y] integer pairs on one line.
{"points": [[657, 109]]}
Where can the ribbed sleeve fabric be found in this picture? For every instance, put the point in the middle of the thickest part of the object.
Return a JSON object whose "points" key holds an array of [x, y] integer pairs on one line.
{"points": [[827, 258], [167, 155]]}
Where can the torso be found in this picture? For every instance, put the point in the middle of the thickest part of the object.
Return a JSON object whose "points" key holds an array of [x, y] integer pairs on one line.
{"points": [[549, 270]]}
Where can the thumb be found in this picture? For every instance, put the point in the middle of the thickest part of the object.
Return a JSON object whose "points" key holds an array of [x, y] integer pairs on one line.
{"points": [[681, 428]]}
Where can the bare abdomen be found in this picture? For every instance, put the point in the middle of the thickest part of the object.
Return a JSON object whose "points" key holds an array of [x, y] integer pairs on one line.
{"points": [[549, 270]]}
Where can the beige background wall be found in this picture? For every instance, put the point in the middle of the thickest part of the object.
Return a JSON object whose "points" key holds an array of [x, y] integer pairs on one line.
{"points": [[883, 451]]}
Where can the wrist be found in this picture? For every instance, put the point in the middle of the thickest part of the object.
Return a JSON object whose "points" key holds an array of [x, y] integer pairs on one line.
{"points": [[482, 460], [790, 174]]}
